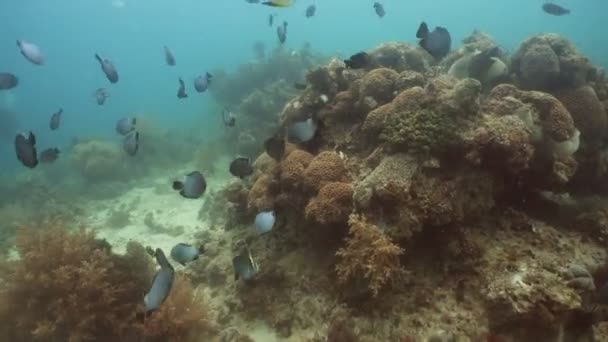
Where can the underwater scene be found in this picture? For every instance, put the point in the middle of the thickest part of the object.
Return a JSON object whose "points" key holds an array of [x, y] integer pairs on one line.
{"points": [[303, 171]]}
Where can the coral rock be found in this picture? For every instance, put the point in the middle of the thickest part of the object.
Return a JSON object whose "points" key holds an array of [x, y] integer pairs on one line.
{"points": [[99, 161], [333, 203], [587, 111], [293, 167], [326, 167], [259, 197], [400, 57], [378, 84]]}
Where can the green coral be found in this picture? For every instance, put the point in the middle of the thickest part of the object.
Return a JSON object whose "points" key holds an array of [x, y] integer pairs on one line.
{"points": [[420, 132]]}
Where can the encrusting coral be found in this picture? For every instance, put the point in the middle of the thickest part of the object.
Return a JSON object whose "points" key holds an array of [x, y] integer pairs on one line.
{"points": [[71, 287], [369, 255]]}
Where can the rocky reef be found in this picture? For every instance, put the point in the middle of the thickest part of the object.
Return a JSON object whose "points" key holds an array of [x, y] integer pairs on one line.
{"points": [[436, 202]]}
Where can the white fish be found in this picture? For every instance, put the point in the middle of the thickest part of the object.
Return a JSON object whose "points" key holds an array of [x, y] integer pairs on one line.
{"points": [[31, 52], [264, 221]]}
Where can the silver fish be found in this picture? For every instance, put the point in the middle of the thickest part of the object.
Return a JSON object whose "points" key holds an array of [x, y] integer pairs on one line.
{"points": [[125, 126], [25, 148], [108, 69], [184, 253], [169, 58], [181, 91], [301, 131], [193, 186], [282, 32], [101, 94], [31, 52], [131, 143], [8, 81], [56, 119], [161, 284], [201, 83]]}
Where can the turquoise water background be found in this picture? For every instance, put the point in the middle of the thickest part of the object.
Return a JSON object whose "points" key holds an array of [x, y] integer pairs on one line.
{"points": [[205, 35]]}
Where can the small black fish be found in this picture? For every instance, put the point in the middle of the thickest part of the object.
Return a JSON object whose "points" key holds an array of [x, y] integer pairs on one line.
{"points": [[169, 58], [555, 9], [161, 284], [125, 126], [282, 32], [358, 61], [437, 43], [241, 167], [25, 148], [228, 117], [108, 69], [275, 147], [184, 253], [193, 186], [131, 143], [56, 119], [181, 92], [101, 95], [270, 20], [310, 11], [379, 9], [8, 81], [49, 155], [244, 265]]}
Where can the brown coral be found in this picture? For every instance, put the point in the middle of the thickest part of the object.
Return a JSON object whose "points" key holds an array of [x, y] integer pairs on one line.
{"points": [[379, 84], [99, 161], [71, 287], [326, 167], [333, 203], [369, 255], [293, 167], [587, 111], [259, 197]]}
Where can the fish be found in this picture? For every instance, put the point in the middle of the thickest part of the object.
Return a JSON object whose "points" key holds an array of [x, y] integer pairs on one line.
{"points": [[437, 43], [161, 284], [253, 1], [49, 155], [201, 83], [192, 187], [108, 68], [301, 131], [244, 265], [275, 147], [25, 148], [31, 52], [8, 81], [184, 253], [125, 126], [555, 9], [310, 11], [359, 60], [241, 167], [228, 117], [278, 3], [264, 221], [55, 119], [282, 32], [101, 94], [181, 92], [379, 8], [169, 58], [131, 143], [299, 86], [270, 20]]}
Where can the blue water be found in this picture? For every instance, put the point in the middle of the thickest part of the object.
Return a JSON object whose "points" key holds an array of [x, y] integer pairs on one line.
{"points": [[205, 35]]}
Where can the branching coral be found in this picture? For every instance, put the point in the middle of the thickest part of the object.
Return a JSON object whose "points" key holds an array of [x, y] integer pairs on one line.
{"points": [[333, 203], [71, 287], [369, 255]]}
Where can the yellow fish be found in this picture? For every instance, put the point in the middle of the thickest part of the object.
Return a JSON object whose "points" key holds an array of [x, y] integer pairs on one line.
{"points": [[278, 3]]}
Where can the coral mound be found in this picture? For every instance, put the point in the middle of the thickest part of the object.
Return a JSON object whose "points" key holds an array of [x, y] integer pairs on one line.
{"points": [[325, 167], [332, 204], [99, 161]]}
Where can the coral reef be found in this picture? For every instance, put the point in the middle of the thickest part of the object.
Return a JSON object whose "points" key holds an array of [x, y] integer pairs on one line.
{"points": [[71, 287], [333, 203], [99, 161]]}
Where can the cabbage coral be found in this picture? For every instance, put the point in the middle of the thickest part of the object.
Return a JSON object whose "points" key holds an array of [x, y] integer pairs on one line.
{"points": [[71, 287]]}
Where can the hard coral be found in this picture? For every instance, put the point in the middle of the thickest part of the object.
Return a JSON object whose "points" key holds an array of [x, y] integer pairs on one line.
{"points": [[333, 203], [326, 167], [292, 168], [379, 84], [71, 287], [99, 161], [400, 57], [587, 111], [369, 255]]}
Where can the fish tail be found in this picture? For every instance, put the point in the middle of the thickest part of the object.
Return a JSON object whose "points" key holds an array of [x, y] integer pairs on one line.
{"points": [[177, 185], [18, 43]]}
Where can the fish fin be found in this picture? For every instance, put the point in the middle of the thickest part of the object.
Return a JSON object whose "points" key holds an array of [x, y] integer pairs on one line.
{"points": [[98, 58], [32, 138], [18, 43], [178, 185], [423, 30]]}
